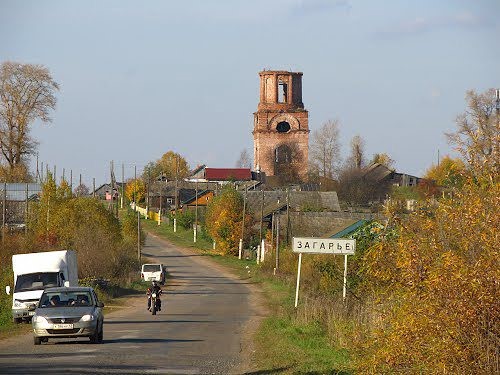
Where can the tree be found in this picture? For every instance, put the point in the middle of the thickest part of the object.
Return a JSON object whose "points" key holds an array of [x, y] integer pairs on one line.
{"points": [[449, 172], [284, 158], [26, 94], [82, 190], [135, 190], [355, 189], [357, 156], [172, 165], [244, 161], [478, 135], [436, 284], [224, 218], [325, 149], [383, 159]]}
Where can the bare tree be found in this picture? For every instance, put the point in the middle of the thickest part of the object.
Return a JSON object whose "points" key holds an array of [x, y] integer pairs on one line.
{"points": [[26, 94], [244, 161], [478, 135], [325, 149], [357, 156], [82, 191], [284, 159]]}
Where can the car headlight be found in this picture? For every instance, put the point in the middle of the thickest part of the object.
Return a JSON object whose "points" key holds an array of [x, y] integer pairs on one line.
{"points": [[39, 319], [87, 318], [19, 305]]}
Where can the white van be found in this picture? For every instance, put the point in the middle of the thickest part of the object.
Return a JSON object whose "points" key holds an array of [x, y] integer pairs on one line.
{"points": [[154, 272]]}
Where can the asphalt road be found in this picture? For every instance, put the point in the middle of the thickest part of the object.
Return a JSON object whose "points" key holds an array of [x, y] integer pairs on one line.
{"points": [[200, 330]]}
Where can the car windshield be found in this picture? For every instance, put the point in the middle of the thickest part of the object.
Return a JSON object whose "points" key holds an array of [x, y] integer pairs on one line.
{"points": [[151, 268], [65, 299], [35, 281]]}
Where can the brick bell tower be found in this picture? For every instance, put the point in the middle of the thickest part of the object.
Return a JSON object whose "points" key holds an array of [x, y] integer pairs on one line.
{"points": [[281, 129]]}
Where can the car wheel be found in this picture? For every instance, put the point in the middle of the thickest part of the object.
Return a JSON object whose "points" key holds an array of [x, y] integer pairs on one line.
{"points": [[37, 340], [94, 339], [101, 334]]}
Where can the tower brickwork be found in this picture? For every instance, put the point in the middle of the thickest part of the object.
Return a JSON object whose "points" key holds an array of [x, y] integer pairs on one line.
{"points": [[281, 129]]}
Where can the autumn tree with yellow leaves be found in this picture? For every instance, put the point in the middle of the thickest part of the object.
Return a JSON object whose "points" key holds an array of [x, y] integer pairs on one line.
{"points": [[224, 218], [435, 286]]}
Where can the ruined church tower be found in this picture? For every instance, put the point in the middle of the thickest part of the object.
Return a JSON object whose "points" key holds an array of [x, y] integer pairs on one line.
{"points": [[281, 129]]}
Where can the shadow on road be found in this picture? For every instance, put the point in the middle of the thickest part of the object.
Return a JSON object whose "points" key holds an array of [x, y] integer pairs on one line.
{"points": [[159, 321], [54, 368], [172, 256], [144, 341], [205, 292]]}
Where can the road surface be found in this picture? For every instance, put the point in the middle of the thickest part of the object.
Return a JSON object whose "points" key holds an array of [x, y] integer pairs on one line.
{"points": [[202, 328]]}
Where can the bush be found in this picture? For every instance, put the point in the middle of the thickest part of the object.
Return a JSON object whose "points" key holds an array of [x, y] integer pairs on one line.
{"points": [[185, 219]]}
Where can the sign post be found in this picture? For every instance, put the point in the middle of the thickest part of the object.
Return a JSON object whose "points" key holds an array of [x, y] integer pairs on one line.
{"points": [[311, 245]]}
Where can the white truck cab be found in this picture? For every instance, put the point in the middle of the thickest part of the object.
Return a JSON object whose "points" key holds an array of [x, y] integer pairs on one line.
{"points": [[33, 272]]}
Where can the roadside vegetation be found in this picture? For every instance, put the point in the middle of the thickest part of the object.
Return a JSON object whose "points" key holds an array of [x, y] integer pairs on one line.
{"points": [[422, 287], [106, 247]]}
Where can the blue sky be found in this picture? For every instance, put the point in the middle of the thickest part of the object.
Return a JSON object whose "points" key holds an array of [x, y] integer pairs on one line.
{"points": [[139, 78]]}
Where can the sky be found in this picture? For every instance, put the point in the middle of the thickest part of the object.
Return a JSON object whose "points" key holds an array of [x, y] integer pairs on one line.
{"points": [[140, 78]]}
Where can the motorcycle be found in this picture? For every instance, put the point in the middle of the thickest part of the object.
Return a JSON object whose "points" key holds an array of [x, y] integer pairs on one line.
{"points": [[155, 303]]}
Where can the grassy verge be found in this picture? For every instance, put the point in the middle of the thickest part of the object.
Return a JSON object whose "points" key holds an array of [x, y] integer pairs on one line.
{"points": [[283, 345]]}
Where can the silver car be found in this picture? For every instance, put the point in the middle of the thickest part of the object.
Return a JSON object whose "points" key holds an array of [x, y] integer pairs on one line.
{"points": [[66, 313]]}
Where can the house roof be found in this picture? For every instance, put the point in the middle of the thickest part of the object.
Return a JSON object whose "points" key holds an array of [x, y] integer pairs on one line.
{"points": [[224, 174], [377, 172], [201, 193]]}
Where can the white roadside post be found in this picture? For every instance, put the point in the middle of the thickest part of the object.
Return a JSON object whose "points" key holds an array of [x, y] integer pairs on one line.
{"points": [[334, 246], [263, 250], [258, 254], [240, 248], [159, 217]]}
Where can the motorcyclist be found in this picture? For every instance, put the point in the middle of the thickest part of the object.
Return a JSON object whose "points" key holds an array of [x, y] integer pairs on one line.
{"points": [[154, 288]]}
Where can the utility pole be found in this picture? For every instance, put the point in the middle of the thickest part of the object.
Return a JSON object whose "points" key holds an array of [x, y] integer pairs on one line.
{"points": [[176, 191], [147, 192], [159, 211], [26, 213], [138, 236], [277, 242], [196, 211], [261, 216], [4, 202], [93, 187], [123, 183], [38, 179], [287, 216], [243, 223], [135, 189], [71, 179]]}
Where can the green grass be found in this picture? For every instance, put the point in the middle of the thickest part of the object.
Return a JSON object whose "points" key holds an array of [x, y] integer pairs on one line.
{"points": [[183, 237], [282, 345]]}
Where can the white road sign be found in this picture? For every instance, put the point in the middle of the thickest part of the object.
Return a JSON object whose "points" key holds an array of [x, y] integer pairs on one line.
{"points": [[323, 245]]}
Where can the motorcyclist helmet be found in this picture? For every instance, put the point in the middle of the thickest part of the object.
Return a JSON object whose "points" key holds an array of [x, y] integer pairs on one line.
{"points": [[154, 283]]}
